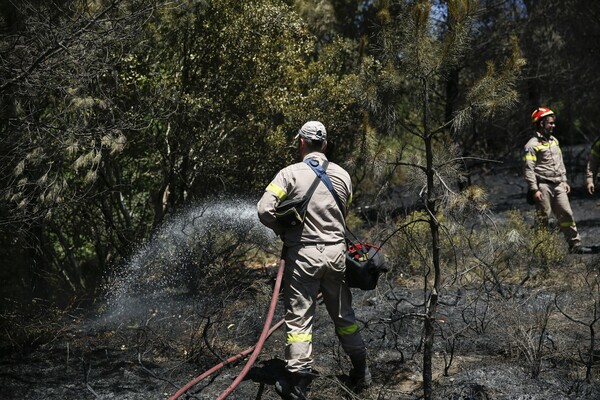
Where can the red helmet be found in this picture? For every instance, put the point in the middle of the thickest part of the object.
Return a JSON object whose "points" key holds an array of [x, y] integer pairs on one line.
{"points": [[540, 113]]}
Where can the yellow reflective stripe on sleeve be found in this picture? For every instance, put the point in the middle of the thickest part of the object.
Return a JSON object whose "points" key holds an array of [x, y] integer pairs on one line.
{"points": [[349, 200], [529, 157], [347, 330], [299, 338], [277, 191], [567, 224], [546, 146]]}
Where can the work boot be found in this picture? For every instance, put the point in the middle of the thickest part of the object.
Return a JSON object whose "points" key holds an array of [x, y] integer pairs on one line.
{"points": [[360, 376], [295, 386]]}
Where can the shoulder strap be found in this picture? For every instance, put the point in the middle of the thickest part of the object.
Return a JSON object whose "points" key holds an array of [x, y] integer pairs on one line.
{"points": [[314, 185], [320, 171], [322, 174]]}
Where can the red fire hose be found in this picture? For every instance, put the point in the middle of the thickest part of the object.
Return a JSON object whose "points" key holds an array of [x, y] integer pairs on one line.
{"points": [[257, 348]]}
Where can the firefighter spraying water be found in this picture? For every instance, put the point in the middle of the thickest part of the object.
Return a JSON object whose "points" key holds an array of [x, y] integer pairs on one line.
{"points": [[314, 253]]}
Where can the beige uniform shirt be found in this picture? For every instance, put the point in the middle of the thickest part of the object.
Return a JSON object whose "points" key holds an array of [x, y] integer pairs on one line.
{"points": [[593, 166], [543, 161], [324, 222]]}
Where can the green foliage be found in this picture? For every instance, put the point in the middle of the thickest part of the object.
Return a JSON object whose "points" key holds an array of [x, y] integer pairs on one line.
{"points": [[493, 93], [505, 256], [186, 99], [327, 87], [472, 200], [233, 68], [546, 248], [510, 254], [408, 250]]}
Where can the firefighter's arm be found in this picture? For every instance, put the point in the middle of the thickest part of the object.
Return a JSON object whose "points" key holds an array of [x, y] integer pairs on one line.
{"points": [[593, 167], [273, 195], [589, 175], [563, 172], [529, 160], [349, 196], [562, 169]]}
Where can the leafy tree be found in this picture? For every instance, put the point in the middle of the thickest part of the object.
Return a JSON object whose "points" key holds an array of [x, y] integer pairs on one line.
{"points": [[60, 131], [121, 112], [101, 124]]}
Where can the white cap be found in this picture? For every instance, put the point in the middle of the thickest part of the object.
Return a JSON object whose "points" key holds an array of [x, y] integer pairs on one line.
{"points": [[313, 130]]}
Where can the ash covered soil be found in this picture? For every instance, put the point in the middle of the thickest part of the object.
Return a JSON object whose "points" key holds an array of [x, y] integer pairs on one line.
{"points": [[150, 349]]}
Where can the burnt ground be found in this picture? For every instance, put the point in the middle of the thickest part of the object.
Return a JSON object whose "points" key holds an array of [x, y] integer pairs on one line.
{"points": [[485, 349]]}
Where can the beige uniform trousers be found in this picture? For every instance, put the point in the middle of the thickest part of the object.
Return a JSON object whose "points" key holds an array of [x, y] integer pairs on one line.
{"points": [[310, 268], [555, 200]]}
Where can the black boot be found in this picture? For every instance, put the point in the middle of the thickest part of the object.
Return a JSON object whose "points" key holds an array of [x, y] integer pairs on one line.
{"points": [[360, 376], [295, 385]]}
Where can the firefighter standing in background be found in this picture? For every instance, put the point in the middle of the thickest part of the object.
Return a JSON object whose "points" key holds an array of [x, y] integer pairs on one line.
{"points": [[593, 166], [546, 178], [314, 253]]}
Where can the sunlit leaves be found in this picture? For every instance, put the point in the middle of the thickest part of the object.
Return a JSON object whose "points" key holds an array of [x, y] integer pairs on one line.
{"points": [[493, 93]]}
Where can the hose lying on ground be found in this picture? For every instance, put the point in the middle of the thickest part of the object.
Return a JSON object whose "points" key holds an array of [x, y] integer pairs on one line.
{"points": [[255, 349]]}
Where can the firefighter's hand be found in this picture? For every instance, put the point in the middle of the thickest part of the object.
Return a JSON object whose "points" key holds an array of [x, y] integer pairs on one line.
{"points": [[538, 195], [590, 188], [567, 187]]}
